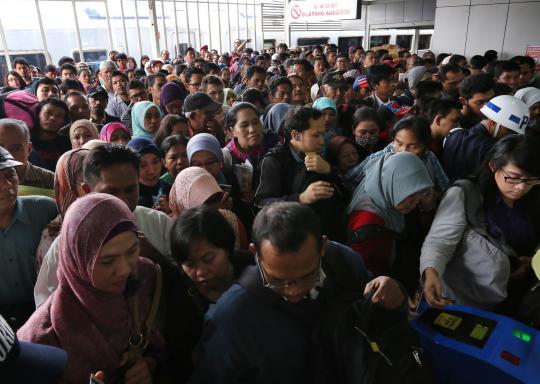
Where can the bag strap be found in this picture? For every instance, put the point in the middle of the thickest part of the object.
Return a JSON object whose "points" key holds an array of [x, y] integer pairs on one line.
{"points": [[138, 340]]}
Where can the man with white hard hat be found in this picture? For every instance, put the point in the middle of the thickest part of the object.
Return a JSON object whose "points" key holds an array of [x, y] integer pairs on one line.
{"points": [[465, 149]]}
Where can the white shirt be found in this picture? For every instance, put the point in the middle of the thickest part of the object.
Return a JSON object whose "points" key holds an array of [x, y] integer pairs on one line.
{"points": [[155, 225]]}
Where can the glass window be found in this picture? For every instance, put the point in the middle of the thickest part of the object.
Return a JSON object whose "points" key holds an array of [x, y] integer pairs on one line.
{"points": [[404, 41], [59, 25], [92, 18], [377, 41], [424, 42], [22, 31]]}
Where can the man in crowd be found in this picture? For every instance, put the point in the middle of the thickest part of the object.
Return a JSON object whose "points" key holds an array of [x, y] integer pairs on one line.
{"points": [[68, 71], [98, 99], [136, 92], [507, 72], [201, 111], [22, 219], [465, 149], [255, 78], [280, 90], [285, 295], [193, 77], [15, 138], [45, 88], [475, 92], [106, 68], [22, 67], [213, 86], [154, 83], [451, 76], [118, 104], [78, 106]]}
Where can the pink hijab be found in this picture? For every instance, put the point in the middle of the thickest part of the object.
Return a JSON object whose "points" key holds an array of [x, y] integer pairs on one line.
{"points": [[108, 130], [191, 188], [91, 325]]}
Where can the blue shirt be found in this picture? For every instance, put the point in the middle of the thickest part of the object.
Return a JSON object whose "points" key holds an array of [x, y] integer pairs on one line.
{"points": [[18, 244]]}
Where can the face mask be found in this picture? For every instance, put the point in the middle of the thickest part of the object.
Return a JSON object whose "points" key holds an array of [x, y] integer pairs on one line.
{"points": [[367, 141]]}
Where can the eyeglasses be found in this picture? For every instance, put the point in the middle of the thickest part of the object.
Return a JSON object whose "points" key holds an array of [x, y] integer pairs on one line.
{"points": [[518, 180], [312, 278]]}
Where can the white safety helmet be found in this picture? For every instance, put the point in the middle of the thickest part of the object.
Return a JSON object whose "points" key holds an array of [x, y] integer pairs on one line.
{"points": [[507, 111]]}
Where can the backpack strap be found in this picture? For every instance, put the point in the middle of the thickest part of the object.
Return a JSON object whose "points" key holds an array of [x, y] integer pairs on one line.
{"points": [[368, 232]]}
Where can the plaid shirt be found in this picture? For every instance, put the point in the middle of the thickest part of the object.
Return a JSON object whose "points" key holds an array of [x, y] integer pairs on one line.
{"points": [[354, 176]]}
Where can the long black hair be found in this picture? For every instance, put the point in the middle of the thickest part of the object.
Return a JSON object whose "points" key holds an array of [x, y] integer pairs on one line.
{"points": [[523, 151]]}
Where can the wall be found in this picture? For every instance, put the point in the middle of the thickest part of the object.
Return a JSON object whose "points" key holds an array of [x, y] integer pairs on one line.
{"points": [[470, 27]]}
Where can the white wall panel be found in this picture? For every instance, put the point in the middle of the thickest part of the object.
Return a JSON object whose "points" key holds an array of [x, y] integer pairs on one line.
{"points": [[483, 35], [413, 11], [452, 3], [450, 29], [523, 28], [394, 13]]}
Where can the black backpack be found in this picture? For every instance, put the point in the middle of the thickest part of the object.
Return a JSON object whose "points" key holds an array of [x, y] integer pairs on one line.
{"points": [[357, 341], [366, 344]]}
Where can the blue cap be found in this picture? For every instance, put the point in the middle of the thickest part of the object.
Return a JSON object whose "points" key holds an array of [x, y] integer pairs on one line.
{"points": [[323, 103]]}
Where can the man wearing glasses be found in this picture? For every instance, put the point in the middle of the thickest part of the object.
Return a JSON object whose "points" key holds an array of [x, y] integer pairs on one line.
{"points": [[261, 329]]}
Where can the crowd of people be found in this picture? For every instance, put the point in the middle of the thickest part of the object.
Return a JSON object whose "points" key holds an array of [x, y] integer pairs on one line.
{"points": [[142, 203]]}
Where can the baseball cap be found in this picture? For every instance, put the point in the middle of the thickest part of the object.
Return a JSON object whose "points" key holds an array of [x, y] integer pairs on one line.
{"points": [[334, 79], [23, 362], [6, 160], [204, 47], [98, 91], [200, 100], [360, 82]]}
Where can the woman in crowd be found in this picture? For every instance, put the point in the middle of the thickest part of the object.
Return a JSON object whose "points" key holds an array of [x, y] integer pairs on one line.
{"points": [[249, 142], [394, 185], [145, 119], [273, 120], [171, 125], [92, 315], [149, 172], [229, 97], [329, 110], [81, 132], [225, 75], [85, 77], [479, 248], [131, 63], [68, 180], [14, 80], [343, 153], [172, 99], [115, 133], [204, 151], [144, 60], [366, 128], [410, 134], [48, 144], [194, 187], [370, 58]]}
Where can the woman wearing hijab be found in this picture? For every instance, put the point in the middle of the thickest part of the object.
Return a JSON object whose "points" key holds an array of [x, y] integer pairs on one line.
{"points": [[394, 185], [115, 133], [81, 132], [416, 75], [273, 120], [194, 187], [145, 118], [172, 99], [149, 172], [67, 188], [203, 150], [105, 292]]}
